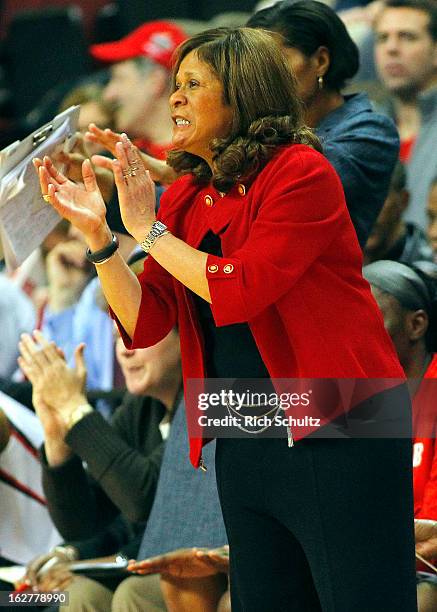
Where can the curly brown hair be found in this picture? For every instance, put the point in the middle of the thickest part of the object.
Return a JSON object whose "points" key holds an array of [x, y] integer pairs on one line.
{"points": [[261, 90]]}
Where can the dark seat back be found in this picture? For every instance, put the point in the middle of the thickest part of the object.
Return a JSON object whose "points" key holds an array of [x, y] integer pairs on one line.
{"points": [[42, 49]]}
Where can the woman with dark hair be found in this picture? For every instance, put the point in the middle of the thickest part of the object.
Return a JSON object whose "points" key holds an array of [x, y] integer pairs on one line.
{"points": [[407, 297], [254, 257], [361, 144]]}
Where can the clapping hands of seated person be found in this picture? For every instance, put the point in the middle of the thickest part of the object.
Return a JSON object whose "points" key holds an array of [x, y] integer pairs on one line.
{"points": [[185, 563], [58, 390], [72, 166], [107, 139]]}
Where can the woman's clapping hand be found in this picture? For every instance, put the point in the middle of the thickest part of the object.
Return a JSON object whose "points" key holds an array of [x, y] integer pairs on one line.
{"points": [[81, 204], [136, 190]]}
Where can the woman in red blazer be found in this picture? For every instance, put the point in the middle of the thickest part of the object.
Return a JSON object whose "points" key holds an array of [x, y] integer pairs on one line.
{"points": [[255, 258]]}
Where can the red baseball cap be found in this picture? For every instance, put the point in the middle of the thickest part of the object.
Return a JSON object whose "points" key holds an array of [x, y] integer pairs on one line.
{"points": [[156, 40]]}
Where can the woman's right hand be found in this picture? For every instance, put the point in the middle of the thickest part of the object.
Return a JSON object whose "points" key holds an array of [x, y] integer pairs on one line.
{"points": [[82, 205]]}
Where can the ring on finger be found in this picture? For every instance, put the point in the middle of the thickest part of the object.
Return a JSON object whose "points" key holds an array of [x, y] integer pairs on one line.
{"points": [[131, 167], [130, 172], [46, 198]]}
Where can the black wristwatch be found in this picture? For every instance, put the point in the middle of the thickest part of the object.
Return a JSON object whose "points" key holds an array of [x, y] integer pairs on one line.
{"points": [[101, 256]]}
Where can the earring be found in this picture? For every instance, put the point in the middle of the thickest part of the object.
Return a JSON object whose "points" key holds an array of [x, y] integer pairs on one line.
{"points": [[320, 81]]}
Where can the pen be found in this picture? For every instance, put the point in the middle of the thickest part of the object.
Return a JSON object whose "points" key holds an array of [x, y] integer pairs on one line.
{"points": [[433, 567]]}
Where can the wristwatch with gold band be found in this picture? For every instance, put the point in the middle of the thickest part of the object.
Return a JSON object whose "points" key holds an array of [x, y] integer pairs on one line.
{"points": [[78, 414]]}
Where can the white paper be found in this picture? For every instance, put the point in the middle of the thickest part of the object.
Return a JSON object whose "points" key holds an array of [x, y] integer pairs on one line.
{"points": [[23, 418], [12, 574], [26, 529], [25, 218]]}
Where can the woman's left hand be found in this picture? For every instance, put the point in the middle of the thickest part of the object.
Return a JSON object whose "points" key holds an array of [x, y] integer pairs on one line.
{"points": [[136, 190]]}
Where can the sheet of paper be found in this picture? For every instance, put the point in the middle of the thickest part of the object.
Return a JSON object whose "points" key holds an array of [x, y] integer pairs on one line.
{"points": [[25, 219], [22, 418], [22, 500], [12, 574]]}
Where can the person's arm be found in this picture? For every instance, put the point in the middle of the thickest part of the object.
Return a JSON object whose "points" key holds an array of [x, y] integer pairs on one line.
{"points": [[83, 206], [127, 474], [180, 260], [77, 506], [159, 170], [364, 156], [302, 210], [71, 499], [72, 161], [45, 571], [112, 539], [185, 563], [107, 139]]}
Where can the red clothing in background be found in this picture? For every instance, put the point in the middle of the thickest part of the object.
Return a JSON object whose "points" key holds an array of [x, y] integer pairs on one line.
{"points": [[406, 149], [425, 447], [158, 151]]}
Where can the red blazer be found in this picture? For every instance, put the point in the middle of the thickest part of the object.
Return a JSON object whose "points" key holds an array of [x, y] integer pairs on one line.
{"points": [[291, 268]]}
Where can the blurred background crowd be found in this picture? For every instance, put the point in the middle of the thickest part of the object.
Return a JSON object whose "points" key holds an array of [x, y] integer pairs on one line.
{"points": [[111, 477]]}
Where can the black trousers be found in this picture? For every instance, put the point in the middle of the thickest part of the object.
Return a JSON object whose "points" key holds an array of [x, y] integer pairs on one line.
{"points": [[325, 525]]}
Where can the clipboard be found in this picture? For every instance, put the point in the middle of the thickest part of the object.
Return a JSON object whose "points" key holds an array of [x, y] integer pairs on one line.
{"points": [[25, 219]]}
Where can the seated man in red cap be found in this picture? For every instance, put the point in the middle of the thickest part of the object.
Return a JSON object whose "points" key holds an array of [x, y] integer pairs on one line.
{"points": [[140, 83]]}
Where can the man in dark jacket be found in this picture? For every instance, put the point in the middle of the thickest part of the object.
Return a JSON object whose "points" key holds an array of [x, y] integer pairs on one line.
{"points": [[100, 510]]}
